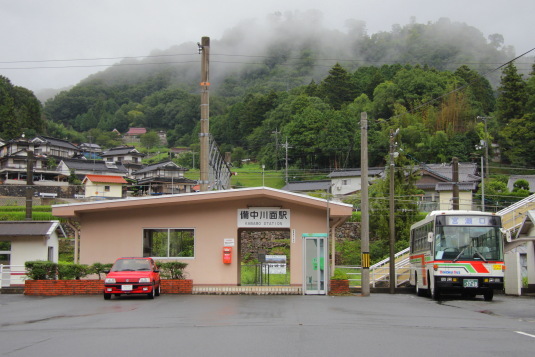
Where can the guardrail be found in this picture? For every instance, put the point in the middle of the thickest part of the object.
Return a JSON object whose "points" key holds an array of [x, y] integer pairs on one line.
{"points": [[12, 275]]}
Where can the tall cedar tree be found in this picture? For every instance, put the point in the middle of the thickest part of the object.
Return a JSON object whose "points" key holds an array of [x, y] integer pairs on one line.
{"points": [[513, 95], [337, 88]]}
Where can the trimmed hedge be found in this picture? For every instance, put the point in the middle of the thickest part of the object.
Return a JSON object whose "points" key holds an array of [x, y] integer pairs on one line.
{"points": [[23, 208]]}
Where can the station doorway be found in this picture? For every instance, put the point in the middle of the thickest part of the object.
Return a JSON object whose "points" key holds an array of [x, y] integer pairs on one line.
{"points": [[264, 257]]}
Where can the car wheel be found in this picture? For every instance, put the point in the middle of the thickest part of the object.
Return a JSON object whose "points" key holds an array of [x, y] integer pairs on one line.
{"points": [[107, 296], [158, 289], [152, 293], [488, 295]]}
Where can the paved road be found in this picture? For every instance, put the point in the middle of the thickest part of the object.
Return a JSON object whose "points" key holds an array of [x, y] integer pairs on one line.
{"points": [[379, 325]]}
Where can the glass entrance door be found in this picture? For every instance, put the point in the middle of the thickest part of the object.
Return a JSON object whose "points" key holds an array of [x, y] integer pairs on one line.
{"points": [[315, 264]]}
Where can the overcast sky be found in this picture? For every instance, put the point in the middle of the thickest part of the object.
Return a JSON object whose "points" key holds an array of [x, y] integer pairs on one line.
{"points": [[38, 30]]}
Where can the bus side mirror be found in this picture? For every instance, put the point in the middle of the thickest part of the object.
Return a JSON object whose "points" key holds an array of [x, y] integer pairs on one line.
{"points": [[507, 234], [430, 237]]}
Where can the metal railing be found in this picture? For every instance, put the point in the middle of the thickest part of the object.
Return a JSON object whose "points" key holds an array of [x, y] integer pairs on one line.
{"points": [[12, 275], [380, 272], [513, 215]]}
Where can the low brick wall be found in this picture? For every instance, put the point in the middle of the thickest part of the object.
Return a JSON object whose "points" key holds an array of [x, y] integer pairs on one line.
{"points": [[93, 287], [63, 287], [177, 286], [339, 286]]}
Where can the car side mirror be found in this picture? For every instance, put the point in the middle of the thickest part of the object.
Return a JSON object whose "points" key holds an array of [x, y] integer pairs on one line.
{"points": [[430, 237], [107, 271], [156, 271]]}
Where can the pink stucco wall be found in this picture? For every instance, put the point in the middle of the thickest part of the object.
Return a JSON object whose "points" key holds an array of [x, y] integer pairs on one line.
{"points": [[107, 235]]}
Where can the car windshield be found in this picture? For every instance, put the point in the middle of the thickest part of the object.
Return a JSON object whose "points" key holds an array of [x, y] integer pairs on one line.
{"points": [[131, 265]]}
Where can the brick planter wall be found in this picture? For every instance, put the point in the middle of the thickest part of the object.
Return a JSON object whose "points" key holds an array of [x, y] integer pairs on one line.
{"points": [[63, 287], [93, 287], [184, 286], [339, 286]]}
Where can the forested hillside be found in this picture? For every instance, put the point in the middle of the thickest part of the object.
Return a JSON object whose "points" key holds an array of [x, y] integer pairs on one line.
{"points": [[300, 82]]}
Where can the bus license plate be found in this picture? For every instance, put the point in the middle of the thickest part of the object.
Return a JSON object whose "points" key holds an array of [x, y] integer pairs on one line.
{"points": [[470, 283], [127, 287]]}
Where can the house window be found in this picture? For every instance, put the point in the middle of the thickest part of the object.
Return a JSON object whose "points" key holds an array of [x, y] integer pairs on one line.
{"points": [[345, 182], [106, 188], [168, 242]]}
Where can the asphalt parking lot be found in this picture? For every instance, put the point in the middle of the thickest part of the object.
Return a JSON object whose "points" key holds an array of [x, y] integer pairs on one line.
{"points": [[239, 325]]}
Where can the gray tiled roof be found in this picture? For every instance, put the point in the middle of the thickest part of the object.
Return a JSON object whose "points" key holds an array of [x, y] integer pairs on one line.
{"points": [[27, 228], [308, 186], [122, 150], [97, 165], [372, 171], [57, 142], [168, 165], [467, 171]]}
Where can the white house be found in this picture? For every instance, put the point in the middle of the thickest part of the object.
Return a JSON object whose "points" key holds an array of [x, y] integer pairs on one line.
{"points": [[106, 186]]}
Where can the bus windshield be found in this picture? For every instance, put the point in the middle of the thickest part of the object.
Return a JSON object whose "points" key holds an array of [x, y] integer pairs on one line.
{"points": [[468, 243]]}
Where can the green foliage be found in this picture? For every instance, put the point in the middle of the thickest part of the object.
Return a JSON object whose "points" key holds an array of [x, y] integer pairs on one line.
{"points": [[23, 208], [69, 271], [150, 139], [41, 270], [339, 275], [21, 216], [20, 111], [172, 269], [100, 269]]}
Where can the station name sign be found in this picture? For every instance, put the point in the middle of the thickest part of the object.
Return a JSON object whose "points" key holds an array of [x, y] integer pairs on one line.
{"points": [[263, 217]]}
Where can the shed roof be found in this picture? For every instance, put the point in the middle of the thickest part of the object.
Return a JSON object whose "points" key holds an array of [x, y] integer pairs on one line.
{"points": [[27, 228]]}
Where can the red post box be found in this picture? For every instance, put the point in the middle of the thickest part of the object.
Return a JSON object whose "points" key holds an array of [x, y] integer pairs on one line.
{"points": [[227, 255]]}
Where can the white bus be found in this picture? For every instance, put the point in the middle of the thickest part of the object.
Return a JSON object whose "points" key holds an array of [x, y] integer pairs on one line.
{"points": [[457, 252]]}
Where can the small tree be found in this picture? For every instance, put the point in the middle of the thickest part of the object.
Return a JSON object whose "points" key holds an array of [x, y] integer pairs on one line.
{"points": [[150, 139]]}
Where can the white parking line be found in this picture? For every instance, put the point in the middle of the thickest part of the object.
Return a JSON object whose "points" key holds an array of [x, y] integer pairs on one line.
{"points": [[523, 333]]}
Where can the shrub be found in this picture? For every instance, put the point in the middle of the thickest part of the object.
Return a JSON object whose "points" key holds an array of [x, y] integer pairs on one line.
{"points": [[68, 271], [41, 270], [99, 268], [172, 270], [339, 275]]}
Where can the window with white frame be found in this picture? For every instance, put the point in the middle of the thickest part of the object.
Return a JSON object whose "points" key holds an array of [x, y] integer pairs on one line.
{"points": [[168, 242]]}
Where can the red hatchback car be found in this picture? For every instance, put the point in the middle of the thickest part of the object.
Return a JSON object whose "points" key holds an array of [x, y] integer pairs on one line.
{"points": [[133, 276]]}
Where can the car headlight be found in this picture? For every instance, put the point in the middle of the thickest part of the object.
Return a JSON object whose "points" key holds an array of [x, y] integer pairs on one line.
{"points": [[144, 280], [109, 281]]}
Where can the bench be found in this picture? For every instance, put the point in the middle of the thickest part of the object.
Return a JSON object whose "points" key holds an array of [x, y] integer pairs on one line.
{"points": [[48, 195]]}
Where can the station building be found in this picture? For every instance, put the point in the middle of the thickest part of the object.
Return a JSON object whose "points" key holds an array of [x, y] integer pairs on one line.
{"points": [[205, 231]]}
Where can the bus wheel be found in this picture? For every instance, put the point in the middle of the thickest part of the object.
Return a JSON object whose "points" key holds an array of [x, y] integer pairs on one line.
{"points": [[419, 291], [488, 295], [434, 291]]}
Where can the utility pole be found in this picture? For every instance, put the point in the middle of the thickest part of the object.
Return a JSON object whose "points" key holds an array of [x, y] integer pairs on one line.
{"points": [[29, 185], [486, 146], [455, 179], [286, 170], [276, 132], [392, 220], [364, 206], [204, 136]]}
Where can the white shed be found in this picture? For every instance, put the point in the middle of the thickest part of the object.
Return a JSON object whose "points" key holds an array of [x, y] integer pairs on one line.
{"points": [[23, 241]]}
